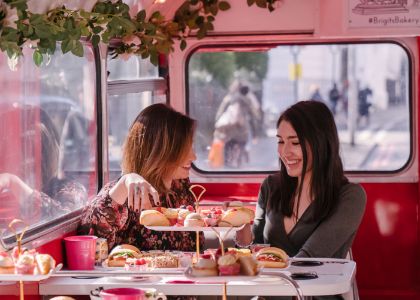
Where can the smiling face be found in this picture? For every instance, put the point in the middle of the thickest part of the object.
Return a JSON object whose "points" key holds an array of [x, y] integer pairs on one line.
{"points": [[183, 169], [290, 151]]}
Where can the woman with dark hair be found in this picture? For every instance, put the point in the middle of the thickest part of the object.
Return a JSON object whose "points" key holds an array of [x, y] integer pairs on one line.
{"points": [[309, 208], [157, 157]]}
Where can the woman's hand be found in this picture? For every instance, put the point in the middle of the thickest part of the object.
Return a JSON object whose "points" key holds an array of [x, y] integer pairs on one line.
{"points": [[136, 189], [13, 183], [244, 236]]}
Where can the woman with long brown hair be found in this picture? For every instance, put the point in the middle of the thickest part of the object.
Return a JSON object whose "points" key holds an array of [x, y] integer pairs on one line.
{"points": [[157, 157]]}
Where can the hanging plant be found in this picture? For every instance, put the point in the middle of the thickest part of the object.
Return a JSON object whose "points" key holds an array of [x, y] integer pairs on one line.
{"points": [[41, 24]]}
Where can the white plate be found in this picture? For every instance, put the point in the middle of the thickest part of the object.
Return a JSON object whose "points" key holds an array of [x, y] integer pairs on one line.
{"points": [[20, 277], [268, 278], [262, 270], [184, 228], [137, 278], [147, 271], [211, 279]]}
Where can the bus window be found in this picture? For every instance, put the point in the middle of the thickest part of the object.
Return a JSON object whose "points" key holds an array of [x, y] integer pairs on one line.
{"points": [[131, 69], [47, 137], [130, 89], [238, 95]]}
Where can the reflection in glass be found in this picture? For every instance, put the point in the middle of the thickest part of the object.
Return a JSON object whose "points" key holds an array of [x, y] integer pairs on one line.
{"points": [[47, 137], [366, 87], [53, 194], [134, 68]]}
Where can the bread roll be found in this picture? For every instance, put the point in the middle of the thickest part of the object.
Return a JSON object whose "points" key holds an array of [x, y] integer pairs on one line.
{"points": [[153, 218], [44, 263], [235, 217], [249, 211]]}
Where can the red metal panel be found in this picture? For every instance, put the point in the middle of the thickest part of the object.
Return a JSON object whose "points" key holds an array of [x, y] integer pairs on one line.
{"points": [[386, 246]]}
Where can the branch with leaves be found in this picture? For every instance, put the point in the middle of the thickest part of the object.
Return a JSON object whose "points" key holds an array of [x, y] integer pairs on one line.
{"points": [[108, 20]]}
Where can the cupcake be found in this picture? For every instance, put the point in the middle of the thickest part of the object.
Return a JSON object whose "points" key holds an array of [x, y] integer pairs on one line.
{"points": [[228, 265], [6, 263], [25, 264], [205, 266], [194, 220], [183, 212]]}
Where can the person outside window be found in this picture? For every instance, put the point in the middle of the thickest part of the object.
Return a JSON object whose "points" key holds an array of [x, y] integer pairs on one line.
{"points": [[334, 97], [235, 122], [364, 105], [316, 93]]}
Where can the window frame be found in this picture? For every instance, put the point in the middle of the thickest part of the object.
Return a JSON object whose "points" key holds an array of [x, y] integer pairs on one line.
{"points": [[128, 86], [406, 173]]}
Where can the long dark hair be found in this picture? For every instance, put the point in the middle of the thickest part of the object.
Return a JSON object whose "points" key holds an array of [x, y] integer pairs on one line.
{"points": [[316, 130]]}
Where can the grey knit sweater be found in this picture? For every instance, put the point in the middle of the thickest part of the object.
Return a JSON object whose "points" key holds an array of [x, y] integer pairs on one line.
{"points": [[331, 237]]}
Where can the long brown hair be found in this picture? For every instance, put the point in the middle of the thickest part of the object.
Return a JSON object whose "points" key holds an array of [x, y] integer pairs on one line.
{"points": [[158, 141], [314, 125]]}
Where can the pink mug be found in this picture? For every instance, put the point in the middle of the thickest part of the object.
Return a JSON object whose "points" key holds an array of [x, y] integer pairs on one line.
{"points": [[122, 294], [80, 252]]}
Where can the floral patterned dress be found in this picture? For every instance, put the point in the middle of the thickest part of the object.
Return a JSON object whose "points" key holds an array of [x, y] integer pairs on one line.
{"points": [[119, 224]]}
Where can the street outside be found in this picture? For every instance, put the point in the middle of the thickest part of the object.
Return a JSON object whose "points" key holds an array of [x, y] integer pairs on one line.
{"points": [[381, 145]]}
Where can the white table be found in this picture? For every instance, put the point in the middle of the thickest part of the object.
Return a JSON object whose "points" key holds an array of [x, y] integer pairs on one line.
{"points": [[335, 276]]}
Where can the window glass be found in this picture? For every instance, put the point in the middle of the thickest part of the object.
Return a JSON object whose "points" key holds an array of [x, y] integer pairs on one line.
{"points": [[132, 68], [237, 96], [47, 136], [123, 110]]}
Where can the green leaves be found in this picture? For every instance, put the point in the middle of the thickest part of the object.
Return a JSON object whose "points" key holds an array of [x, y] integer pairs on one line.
{"points": [[37, 57], [223, 5], [269, 4], [146, 37]]}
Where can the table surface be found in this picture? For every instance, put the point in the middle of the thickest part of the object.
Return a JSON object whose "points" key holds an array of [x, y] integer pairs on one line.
{"points": [[335, 276]]}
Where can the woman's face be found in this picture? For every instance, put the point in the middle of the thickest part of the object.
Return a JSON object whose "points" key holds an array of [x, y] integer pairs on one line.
{"points": [[183, 170], [290, 150]]}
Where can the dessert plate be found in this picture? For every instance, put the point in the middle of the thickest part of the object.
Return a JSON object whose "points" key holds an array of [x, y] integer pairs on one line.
{"points": [[185, 228], [135, 278]]}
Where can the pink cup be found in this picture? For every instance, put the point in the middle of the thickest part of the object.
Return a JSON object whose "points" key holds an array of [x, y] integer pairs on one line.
{"points": [[80, 252], [122, 294]]}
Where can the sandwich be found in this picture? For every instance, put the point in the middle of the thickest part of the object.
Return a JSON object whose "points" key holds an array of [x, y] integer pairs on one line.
{"points": [[119, 255], [272, 257]]}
